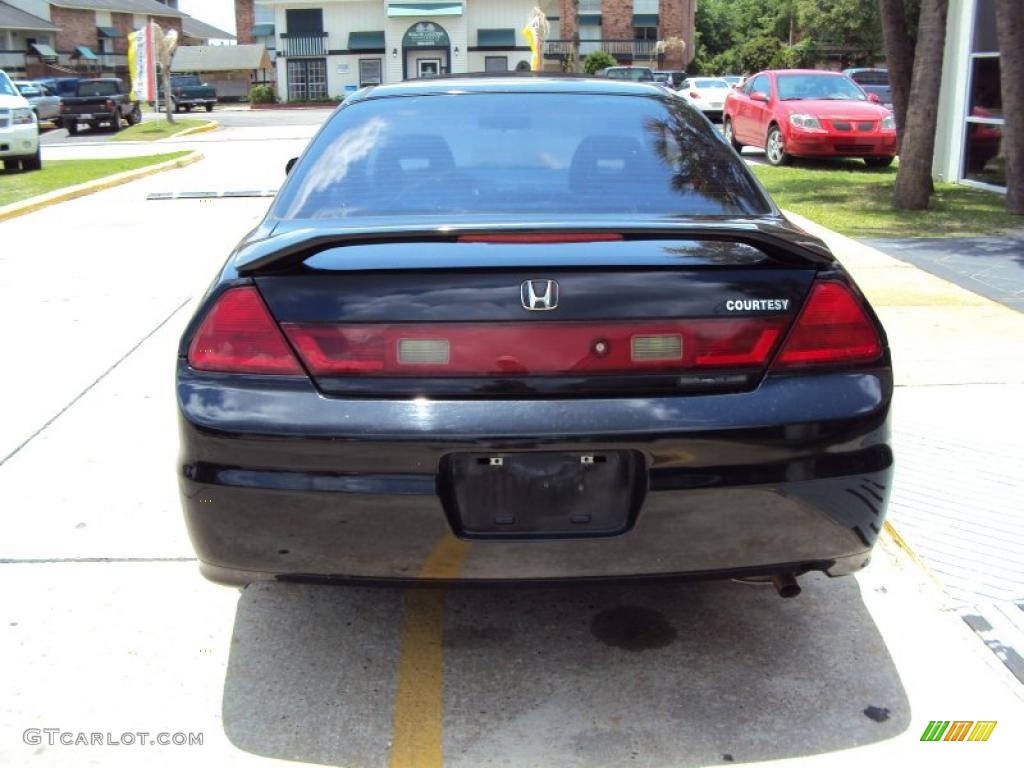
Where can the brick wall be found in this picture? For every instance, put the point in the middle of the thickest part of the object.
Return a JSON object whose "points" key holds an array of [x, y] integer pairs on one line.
{"points": [[245, 17], [617, 19], [676, 19], [77, 27], [125, 24]]}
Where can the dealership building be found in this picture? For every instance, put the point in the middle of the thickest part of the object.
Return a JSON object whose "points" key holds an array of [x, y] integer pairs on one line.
{"points": [[968, 140], [327, 48]]}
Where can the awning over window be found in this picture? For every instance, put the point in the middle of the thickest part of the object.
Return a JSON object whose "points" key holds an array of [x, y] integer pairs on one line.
{"points": [[85, 52], [645, 19], [109, 32], [366, 41], [263, 30], [424, 9], [590, 19], [496, 38], [42, 49]]}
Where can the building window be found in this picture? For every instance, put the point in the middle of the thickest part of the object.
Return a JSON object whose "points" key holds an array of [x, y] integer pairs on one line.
{"points": [[495, 63], [307, 79], [370, 72], [983, 159], [590, 6]]}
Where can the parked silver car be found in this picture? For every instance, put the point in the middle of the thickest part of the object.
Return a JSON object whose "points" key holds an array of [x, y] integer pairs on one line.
{"points": [[45, 103]]}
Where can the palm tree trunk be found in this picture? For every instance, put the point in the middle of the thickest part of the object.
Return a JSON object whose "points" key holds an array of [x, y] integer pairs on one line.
{"points": [[1010, 24], [899, 56], [913, 184]]}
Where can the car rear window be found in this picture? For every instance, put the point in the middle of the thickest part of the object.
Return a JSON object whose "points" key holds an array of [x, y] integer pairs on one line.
{"points": [[875, 77], [506, 153], [97, 89], [704, 83], [6, 89]]}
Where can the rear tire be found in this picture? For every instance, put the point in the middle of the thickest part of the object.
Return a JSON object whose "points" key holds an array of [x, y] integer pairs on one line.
{"points": [[878, 162], [188, 107], [12, 165], [209, 107], [33, 162], [72, 129], [775, 149], [730, 136], [115, 124]]}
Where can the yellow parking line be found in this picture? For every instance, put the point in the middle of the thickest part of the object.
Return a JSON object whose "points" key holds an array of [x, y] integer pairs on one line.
{"points": [[419, 710]]}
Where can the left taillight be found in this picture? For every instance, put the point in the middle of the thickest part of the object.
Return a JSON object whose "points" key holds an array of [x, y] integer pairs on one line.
{"points": [[238, 335], [832, 329]]}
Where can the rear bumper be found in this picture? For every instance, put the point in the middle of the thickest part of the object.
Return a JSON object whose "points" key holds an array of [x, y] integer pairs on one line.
{"points": [[281, 482], [846, 145]]}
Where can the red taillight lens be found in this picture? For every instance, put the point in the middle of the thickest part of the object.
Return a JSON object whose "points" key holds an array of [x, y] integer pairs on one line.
{"points": [[832, 328], [537, 348], [109, 105], [238, 335], [694, 95]]}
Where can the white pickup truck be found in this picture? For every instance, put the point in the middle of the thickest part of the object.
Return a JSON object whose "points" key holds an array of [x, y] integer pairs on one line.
{"points": [[19, 129]]}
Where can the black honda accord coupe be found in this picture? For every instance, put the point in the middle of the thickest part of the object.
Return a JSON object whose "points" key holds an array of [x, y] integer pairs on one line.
{"points": [[530, 328]]}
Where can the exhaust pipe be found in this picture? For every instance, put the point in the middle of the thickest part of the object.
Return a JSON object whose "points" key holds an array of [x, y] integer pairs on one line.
{"points": [[785, 584]]}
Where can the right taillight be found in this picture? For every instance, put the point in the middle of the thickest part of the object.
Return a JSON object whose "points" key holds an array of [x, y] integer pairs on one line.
{"points": [[238, 335], [832, 328]]}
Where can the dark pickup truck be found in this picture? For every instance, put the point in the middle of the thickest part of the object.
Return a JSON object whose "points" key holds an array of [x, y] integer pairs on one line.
{"points": [[187, 91], [98, 102]]}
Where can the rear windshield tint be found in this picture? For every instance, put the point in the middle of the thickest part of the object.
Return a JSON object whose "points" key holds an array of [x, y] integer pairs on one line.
{"points": [[500, 153], [100, 88], [871, 78], [711, 83]]}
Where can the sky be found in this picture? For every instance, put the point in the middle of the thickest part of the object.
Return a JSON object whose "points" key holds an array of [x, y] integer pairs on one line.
{"points": [[220, 13]]}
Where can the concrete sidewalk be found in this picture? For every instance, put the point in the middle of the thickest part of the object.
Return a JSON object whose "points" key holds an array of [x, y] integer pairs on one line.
{"points": [[958, 427]]}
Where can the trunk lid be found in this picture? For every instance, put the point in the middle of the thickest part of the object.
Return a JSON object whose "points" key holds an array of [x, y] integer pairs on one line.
{"points": [[444, 318]]}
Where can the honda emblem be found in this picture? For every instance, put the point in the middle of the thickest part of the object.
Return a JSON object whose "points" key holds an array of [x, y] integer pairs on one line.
{"points": [[540, 295]]}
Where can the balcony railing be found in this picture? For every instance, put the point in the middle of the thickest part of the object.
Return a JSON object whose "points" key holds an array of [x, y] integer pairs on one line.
{"points": [[633, 50], [12, 60], [293, 46]]}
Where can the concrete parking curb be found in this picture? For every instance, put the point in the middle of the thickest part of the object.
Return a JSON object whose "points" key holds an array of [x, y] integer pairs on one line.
{"points": [[211, 125], [96, 185]]}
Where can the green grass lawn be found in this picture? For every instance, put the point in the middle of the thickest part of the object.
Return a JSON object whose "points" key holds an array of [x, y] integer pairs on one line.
{"points": [[848, 198], [57, 174], [151, 130]]}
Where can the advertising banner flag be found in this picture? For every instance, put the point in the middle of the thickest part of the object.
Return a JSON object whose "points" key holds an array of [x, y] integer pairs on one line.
{"points": [[141, 64]]}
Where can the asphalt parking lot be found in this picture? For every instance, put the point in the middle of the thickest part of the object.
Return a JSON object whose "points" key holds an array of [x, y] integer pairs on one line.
{"points": [[106, 627]]}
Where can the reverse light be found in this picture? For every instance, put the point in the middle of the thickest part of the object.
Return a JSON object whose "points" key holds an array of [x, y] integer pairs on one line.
{"points": [[238, 335], [806, 123], [832, 328], [888, 123], [536, 348]]}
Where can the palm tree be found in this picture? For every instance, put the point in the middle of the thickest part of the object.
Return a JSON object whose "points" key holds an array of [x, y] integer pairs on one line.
{"points": [[1010, 25], [913, 185], [899, 56]]}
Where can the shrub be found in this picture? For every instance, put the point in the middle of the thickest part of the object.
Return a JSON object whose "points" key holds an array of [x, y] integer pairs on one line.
{"points": [[596, 60], [262, 94]]}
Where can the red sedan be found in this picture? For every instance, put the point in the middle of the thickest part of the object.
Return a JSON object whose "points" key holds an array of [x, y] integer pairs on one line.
{"points": [[809, 113]]}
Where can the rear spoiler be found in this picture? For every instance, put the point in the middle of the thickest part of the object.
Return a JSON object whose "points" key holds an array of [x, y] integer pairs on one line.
{"points": [[282, 249]]}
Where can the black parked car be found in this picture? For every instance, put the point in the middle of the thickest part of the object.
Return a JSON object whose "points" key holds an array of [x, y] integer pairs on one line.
{"points": [[530, 328], [101, 101]]}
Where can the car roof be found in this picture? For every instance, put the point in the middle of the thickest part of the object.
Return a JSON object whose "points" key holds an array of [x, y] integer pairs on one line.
{"points": [[527, 83], [801, 72]]}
